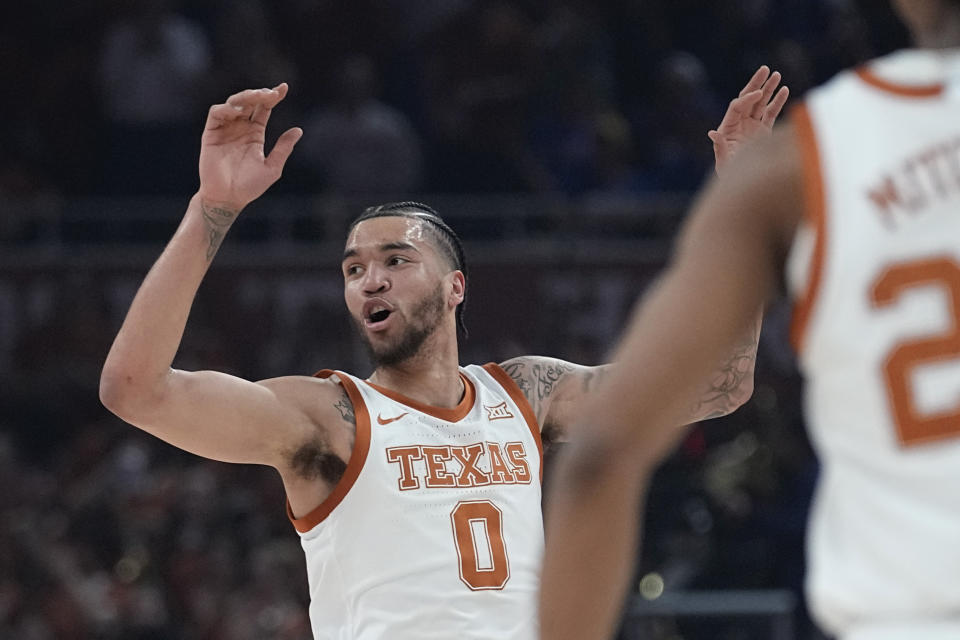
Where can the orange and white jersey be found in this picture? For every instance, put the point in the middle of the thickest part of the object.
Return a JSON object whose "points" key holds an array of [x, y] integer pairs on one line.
{"points": [[875, 274], [435, 529]]}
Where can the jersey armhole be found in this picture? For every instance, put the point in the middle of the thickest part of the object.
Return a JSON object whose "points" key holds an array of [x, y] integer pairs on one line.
{"points": [[358, 457], [520, 400]]}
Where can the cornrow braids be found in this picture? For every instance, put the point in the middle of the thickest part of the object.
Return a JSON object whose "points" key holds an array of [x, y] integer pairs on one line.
{"points": [[445, 238]]}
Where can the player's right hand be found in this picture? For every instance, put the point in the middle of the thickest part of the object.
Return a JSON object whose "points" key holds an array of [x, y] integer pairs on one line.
{"points": [[233, 168]]}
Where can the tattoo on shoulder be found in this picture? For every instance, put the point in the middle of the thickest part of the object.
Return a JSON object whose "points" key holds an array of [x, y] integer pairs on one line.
{"points": [[218, 220], [518, 371], [345, 407], [537, 380], [547, 376]]}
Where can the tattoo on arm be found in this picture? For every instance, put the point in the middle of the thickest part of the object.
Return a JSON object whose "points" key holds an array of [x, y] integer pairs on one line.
{"points": [[721, 396], [345, 407], [218, 222]]}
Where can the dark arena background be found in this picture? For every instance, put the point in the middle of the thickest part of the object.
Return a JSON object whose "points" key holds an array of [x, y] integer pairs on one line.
{"points": [[562, 139]]}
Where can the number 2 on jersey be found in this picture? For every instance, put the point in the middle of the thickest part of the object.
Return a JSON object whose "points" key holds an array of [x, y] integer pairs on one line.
{"points": [[478, 533], [913, 426]]}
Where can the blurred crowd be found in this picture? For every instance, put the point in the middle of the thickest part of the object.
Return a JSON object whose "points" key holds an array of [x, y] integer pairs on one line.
{"points": [[399, 96], [107, 533]]}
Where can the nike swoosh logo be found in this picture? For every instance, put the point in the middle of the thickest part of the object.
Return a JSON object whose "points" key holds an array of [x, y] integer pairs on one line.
{"points": [[382, 421]]}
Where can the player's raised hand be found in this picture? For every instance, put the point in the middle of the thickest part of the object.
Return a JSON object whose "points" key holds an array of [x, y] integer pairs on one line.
{"points": [[233, 167], [750, 114]]}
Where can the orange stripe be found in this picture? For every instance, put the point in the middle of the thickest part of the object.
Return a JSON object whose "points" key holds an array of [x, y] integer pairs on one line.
{"points": [[520, 400], [358, 457], [906, 91], [455, 414], [816, 214]]}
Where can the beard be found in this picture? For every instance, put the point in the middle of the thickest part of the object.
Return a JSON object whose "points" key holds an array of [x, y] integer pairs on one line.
{"points": [[423, 322]]}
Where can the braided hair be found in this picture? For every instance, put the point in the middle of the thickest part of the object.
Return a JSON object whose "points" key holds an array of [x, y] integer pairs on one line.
{"points": [[445, 238]]}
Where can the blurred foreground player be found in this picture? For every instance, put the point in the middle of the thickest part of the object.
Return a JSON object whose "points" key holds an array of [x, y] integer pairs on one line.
{"points": [[416, 491], [856, 205]]}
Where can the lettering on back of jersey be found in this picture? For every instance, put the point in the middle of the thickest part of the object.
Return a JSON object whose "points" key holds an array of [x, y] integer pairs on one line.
{"points": [[448, 466], [921, 181]]}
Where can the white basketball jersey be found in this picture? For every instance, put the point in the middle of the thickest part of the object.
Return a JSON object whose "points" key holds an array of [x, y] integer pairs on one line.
{"points": [[435, 530], [875, 271]]}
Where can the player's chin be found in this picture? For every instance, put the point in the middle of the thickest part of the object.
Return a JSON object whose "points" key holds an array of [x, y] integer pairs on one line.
{"points": [[386, 352]]}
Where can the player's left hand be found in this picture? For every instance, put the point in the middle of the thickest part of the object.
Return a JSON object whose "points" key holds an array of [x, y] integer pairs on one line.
{"points": [[750, 114]]}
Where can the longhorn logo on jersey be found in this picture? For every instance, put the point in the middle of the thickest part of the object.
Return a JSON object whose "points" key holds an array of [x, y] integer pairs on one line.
{"points": [[445, 466]]}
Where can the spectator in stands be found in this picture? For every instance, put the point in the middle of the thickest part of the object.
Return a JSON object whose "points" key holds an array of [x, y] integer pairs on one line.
{"points": [[247, 51], [479, 78], [153, 68], [359, 144]]}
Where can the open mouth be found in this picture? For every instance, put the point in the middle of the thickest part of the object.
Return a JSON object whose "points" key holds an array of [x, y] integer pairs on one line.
{"points": [[376, 312], [379, 316]]}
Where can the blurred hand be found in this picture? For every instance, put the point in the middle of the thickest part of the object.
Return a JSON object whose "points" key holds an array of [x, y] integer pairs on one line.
{"points": [[233, 168], [749, 115]]}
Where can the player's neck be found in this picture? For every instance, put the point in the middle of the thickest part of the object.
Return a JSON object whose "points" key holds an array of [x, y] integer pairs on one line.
{"points": [[431, 376], [946, 34]]}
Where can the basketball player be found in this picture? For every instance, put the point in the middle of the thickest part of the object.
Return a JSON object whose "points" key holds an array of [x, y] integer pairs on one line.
{"points": [[856, 205], [416, 491]]}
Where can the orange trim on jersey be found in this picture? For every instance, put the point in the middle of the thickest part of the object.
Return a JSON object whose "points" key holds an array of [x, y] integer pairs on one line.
{"points": [[815, 206], [510, 386], [906, 91], [358, 457], [456, 414]]}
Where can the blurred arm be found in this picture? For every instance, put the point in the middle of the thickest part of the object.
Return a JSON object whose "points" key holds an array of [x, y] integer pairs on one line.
{"points": [[727, 265]]}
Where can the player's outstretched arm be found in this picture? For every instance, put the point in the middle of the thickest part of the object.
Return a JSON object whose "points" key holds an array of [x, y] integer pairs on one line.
{"points": [[557, 389], [728, 263], [208, 413], [750, 115]]}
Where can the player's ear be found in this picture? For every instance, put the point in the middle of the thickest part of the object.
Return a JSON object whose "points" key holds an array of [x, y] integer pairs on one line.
{"points": [[458, 287]]}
